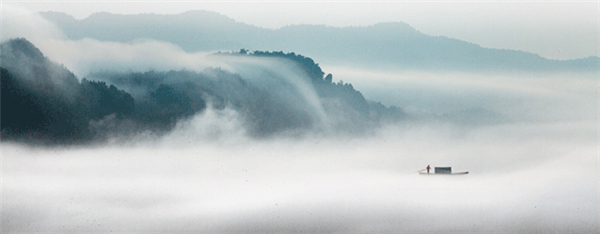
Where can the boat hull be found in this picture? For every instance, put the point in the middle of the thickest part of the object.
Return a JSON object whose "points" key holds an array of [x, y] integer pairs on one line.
{"points": [[457, 173]]}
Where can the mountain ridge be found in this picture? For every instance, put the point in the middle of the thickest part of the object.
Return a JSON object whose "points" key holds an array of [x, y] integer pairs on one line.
{"points": [[382, 45], [44, 103]]}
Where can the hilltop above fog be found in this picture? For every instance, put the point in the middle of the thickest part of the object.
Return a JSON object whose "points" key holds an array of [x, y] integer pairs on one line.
{"points": [[43, 102]]}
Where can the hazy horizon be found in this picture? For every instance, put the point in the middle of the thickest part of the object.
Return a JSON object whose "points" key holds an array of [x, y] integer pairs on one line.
{"points": [[554, 30]]}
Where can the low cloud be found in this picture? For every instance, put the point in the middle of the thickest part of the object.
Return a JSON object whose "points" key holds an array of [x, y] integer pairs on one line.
{"points": [[90, 55], [522, 179], [20, 22], [517, 96]]}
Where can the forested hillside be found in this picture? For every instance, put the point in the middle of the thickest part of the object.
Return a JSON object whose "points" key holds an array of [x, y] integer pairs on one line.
{"points": [[43, 102]]}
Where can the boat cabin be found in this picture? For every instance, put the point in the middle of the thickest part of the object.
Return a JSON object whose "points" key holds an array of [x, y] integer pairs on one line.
{"points": [[443, 170]]}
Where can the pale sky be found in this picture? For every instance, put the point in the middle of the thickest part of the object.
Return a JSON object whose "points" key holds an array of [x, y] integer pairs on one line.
{"points": [[552, 29]]}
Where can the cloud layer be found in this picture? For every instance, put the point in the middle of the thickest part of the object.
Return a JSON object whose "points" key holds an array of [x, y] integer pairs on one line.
{"points": [[517, 183]]}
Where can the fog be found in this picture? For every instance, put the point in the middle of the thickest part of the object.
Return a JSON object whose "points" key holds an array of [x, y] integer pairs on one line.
{"points": [[523, 178], [519, 96], [89, 55], [527, 175], [532, 158]]}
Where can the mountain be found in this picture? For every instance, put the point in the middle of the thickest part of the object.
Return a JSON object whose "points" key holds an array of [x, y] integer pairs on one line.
{"points": [[42, 102], [384, 45]]}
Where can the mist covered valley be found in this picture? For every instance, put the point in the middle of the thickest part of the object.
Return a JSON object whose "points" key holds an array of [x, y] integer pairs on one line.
{"points": [[163, 140]]}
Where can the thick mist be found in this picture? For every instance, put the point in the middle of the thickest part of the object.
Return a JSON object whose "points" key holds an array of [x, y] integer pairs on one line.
{"points": [[528, 140], [207, 177], [537, 173], [513, 96]]}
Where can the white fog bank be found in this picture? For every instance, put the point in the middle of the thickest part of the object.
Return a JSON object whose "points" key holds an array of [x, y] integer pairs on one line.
{"points": [[523, 178]]}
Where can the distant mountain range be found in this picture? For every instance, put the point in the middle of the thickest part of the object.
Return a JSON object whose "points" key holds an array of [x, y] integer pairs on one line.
{"points": [[384, 45]]}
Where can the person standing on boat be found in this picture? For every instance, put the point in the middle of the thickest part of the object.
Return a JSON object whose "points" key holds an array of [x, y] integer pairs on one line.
{"points": [[428, 168]]}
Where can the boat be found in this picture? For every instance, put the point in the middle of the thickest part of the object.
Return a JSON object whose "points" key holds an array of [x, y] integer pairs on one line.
{"points": [[442, 171]]}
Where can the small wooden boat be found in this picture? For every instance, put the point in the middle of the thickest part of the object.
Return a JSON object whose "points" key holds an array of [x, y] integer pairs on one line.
{"points": [[442, 171]]}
